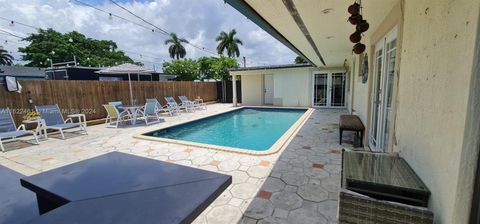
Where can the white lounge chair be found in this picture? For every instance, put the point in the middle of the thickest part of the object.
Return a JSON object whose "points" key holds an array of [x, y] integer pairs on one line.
{"points": [[149, 111], [172, 103], [162, 109], [195, 104], [54, 119], [115, 116], [9, 130]]}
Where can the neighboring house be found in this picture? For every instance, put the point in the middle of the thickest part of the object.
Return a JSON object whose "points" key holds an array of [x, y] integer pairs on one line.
{"points": [[420, 97], [89, 73], [21, 72]]}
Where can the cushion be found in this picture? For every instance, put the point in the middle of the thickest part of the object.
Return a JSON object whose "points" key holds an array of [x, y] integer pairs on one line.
{"points": [[351, 122]]}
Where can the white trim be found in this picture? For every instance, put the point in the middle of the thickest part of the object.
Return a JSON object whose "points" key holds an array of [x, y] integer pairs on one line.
{"points": [[329, 73]]}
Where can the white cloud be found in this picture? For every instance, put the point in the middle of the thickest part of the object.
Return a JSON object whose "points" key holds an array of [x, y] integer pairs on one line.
{"points": [[197, 21]]}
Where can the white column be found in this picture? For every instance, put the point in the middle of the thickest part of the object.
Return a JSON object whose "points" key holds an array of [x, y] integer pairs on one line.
{"points": [[234, 87]]}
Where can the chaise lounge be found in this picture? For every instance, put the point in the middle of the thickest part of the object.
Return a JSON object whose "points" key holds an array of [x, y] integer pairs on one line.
{"points": [[54, 119], [9, 130]]}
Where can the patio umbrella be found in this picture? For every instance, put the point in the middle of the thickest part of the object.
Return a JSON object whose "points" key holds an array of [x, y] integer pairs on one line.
{"points": [[128, 69]]}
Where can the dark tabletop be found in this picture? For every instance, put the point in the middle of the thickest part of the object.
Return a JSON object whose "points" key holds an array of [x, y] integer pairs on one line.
{"points": [[123, 188], [381, 169]]}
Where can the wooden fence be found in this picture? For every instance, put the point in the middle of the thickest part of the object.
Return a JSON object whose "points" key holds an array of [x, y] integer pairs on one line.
{"points": [[88, 96]]}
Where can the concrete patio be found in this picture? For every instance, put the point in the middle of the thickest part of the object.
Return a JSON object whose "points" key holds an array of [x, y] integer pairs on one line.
{"points": [[297, 185]]}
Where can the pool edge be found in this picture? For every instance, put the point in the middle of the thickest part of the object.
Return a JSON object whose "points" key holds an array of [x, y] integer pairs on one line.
{"points": [[279, 145]]}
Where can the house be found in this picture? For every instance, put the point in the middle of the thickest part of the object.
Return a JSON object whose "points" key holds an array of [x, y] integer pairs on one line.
{"points": [[416, 87], [89, 73], [21, 72]]}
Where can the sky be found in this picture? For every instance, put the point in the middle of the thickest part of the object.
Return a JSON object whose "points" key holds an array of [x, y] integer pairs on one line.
{"points": [[198, 21]]}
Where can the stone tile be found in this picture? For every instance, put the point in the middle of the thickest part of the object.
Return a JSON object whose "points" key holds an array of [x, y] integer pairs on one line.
{"points": [[264, 163], [306, 216], [224, 214], [294, 179], [272, 220], [317, 165], [228, 165], [259, 208], [238, 176], [273, 185], [258, 171], [215, 162], [280, 213], [312, 192], [328, 209], [264, 194], [244, 190], [286, 200]]}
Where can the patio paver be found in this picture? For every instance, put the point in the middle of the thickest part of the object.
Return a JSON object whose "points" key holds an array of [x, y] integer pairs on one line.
{"points": [[303, 179]]}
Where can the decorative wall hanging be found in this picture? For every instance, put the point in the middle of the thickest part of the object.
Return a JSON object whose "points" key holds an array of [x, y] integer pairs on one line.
{"points": [[364, 67], [361, 26]]}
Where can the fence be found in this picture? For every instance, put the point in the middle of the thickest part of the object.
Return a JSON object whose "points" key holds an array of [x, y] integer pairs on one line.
{"points": [[225, 91], [88, 96]]}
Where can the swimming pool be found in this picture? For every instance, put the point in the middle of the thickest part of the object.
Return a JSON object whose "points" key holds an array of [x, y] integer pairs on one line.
{"points": [[256, 129]]}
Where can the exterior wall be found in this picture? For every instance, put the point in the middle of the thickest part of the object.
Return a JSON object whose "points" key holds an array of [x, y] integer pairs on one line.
{"points": [[252, 90], [437, 57], [292, 87]]}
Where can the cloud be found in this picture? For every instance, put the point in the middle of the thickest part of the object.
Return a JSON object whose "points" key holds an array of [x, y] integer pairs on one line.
{"points": [[197, 21]]}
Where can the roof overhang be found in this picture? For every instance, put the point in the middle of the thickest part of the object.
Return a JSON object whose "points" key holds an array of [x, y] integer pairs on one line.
{"points": [[316, 30]]}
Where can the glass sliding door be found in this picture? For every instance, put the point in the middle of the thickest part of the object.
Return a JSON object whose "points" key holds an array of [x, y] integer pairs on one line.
{"points": [[329, 89], [320, 88], [382, 92]]}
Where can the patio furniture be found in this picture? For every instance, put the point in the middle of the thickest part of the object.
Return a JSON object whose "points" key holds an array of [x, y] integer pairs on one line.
{"points": [[134, 111], [172, 103], [122, 188], [357, 208], [118, 105], [160, 108], [114, 114], [196, 104], [54, 119], [149, 111], [8, 128], [40, 128], [383, 176], [352, 123]]}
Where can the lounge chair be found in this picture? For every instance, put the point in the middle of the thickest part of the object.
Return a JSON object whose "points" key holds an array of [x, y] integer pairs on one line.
{"points": [[149, 111], [9, 130], [114, 114], [172, 103], [196, 104], [160, 109], [54, 119], [118, 105]]}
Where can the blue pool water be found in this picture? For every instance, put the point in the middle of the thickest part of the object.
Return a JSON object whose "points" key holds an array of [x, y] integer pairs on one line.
{"points": [[247, 128]]}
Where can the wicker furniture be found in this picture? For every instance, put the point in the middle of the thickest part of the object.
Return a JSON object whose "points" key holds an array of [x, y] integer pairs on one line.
{"points": [[357, 208], [352, 123], [380, 188]]}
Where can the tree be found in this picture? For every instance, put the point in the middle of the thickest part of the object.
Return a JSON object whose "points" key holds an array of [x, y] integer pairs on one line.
{"points": [[205, 67], [300, 60], [176, 49], [228, 42], [5, 57], [184, 70], [220, 67], [51, 45]]}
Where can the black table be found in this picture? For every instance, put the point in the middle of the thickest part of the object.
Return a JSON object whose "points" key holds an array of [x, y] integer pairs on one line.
{"points": [[123, 188], [383, 176]]}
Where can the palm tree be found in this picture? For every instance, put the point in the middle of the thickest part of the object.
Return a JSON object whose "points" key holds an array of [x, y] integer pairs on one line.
{"points": [[176, 49], [228, 41], [5, 57]]}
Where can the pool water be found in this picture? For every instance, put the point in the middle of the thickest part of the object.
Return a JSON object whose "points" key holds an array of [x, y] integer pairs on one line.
{"points": [[247, 128]]}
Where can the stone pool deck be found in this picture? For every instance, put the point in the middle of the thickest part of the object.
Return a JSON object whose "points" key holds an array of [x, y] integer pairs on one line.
{"points": [[297, 185]]}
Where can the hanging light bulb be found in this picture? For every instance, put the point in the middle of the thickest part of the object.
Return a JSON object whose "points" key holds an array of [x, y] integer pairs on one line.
{"points": [[70, 40], [12, 23], [110, 17], [6, 42]]}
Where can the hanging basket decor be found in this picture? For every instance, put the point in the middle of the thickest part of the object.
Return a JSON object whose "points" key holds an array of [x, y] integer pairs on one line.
{"points": [[361, 26]]}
